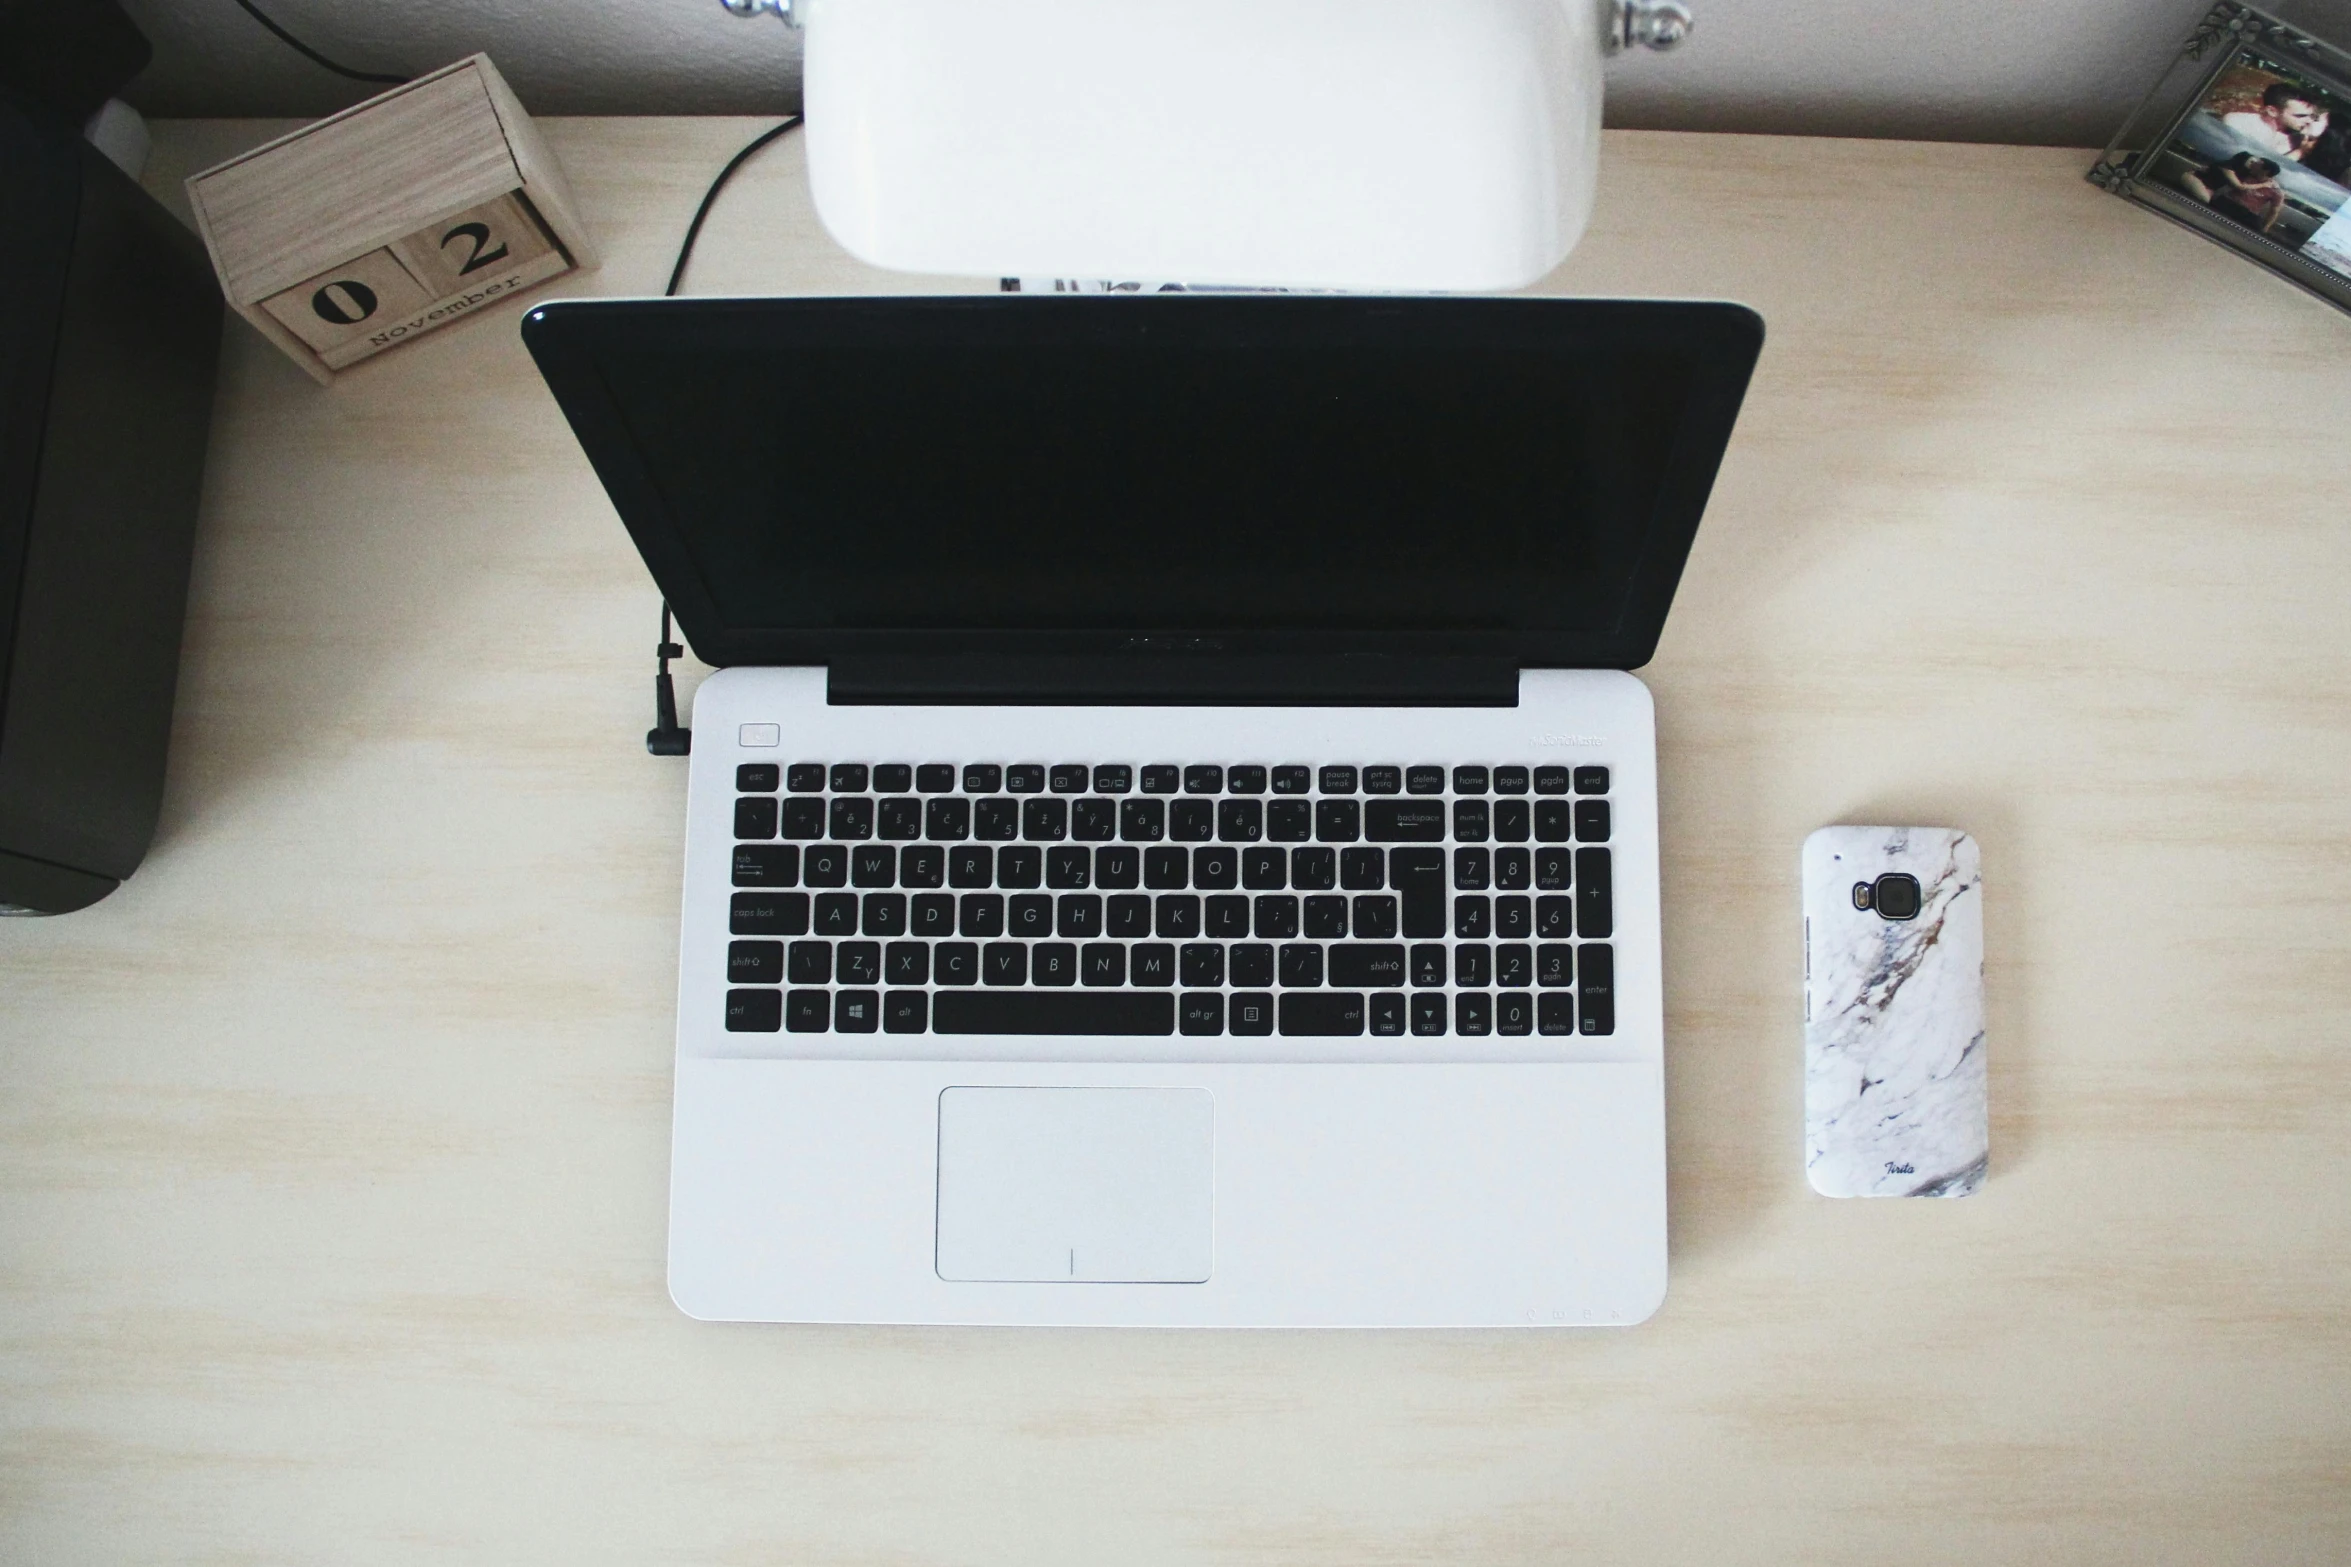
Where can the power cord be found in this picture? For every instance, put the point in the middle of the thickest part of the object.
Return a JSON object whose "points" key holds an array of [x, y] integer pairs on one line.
{"points": [[312, 55], [668, 737], [750, 150]]}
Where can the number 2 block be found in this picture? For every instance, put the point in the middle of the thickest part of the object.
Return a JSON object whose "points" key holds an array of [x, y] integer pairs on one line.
{"points": [[483, 244]]}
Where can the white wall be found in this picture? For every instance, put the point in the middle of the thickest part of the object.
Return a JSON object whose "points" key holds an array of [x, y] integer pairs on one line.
{"points": [[563, 56], [2060, 72]]}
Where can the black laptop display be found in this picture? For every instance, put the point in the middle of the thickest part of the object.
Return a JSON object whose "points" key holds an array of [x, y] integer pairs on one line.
{"points": [[1165, 483]]}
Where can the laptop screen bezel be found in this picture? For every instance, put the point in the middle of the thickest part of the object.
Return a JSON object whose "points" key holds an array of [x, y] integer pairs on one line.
{"points": [[570, 341]]}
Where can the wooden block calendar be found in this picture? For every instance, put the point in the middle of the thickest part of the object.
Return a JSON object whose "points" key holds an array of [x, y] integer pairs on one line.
{"points": [[423, 206]]}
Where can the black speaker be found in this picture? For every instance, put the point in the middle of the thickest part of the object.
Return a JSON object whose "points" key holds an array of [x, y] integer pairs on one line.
{"points": [[109, 341]]}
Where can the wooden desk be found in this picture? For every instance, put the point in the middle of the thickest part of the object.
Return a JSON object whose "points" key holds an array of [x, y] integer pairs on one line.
{"points": [[333, 1148]]}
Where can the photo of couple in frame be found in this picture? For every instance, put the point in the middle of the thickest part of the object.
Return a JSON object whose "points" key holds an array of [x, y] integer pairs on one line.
{"points": [[2248, 139]]}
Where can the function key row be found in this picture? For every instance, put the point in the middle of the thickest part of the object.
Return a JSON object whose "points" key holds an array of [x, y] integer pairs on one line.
{"points": [[1162, 778]]}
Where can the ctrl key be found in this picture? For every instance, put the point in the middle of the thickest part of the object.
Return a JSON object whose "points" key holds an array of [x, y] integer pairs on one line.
{"points": [[1323, 1014], [755, 1011]]}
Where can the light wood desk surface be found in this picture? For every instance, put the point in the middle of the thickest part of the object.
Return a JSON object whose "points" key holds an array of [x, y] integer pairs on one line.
{"points": [[333, 1147]]}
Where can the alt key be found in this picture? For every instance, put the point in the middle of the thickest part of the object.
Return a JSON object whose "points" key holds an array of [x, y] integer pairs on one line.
{"points": [[1203, 1012]]}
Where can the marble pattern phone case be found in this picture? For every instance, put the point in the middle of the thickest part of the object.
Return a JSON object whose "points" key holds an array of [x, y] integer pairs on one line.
{"points": [[1894, 1095]]}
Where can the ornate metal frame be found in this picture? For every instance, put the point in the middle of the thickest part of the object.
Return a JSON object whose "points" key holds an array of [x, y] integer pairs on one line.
{"points": [[2230, 34]]}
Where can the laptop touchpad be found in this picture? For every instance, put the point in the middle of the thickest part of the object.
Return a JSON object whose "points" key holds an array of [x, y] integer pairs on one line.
{"points": [[1075, 1185]]}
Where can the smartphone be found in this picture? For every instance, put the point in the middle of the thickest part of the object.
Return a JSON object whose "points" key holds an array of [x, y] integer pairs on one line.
{"points": [[1894, 1086]]}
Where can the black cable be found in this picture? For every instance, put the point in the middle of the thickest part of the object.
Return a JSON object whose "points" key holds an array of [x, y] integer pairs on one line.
{"points": [[667, 737], [694, 229], [308, 53]]}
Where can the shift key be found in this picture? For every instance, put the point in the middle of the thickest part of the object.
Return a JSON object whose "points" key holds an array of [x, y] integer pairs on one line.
{"points": [[1367, 966]]}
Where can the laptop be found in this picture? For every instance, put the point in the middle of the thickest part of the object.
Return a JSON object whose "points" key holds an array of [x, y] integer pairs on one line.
{"points": [[1172, 836]]}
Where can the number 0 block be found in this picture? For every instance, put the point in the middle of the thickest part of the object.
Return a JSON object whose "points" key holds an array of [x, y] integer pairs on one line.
{"points": [[338, 306], [426, 205]]}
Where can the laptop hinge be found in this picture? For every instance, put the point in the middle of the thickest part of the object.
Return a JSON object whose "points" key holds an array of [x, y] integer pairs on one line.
{"points": [[1344, 680]]}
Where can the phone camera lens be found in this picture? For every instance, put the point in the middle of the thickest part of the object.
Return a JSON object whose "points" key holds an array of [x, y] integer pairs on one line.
{"points": [[1896, 896]]}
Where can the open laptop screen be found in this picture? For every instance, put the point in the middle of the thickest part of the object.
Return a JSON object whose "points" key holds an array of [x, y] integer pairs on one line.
{"points": [[812, 476]]}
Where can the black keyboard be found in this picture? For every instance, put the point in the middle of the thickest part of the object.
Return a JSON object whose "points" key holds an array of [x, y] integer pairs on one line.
{"points": [[1034, 898]]}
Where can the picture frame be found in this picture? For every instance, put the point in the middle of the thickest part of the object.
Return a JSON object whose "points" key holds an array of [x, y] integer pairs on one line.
{"points": [[2246, 138]]}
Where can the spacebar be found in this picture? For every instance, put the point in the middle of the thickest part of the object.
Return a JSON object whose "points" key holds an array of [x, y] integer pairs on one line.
{"points": [[1051, 1012]]}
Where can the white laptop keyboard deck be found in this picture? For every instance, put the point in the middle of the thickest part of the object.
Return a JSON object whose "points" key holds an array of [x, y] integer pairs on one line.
{"points": [[1334, 900]]}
